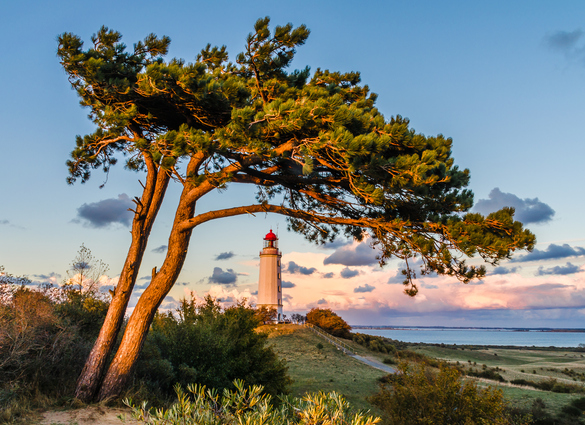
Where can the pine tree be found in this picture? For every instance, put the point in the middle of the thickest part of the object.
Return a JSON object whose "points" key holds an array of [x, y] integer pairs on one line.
{"points": [[314, 145]]}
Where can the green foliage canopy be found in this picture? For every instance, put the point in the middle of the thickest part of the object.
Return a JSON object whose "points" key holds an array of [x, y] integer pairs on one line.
{"points": [[314, 145]]}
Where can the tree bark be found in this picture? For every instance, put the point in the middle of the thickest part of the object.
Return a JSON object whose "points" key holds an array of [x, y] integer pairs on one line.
{"points": [[146, 211], [123, 363]]}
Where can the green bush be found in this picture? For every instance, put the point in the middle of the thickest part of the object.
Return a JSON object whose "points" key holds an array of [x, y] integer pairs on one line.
{"points": [[330, 322], [376, 343], [209, 346], [417, 395], [251, 406]]}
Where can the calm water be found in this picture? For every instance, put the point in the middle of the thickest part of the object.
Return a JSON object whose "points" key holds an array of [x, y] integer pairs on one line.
{"points": [[480, 336]]}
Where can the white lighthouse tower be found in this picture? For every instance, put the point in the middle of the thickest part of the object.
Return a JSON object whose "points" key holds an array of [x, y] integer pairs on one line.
{"points": [[269, 284]]}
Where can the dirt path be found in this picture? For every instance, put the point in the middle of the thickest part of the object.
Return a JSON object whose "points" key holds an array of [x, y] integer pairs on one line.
{"points": [[91, 415]]}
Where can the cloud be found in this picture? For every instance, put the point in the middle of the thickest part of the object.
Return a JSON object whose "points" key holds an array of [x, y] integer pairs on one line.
{"points": [[8, 223], [328, 275], [146, 280], [558, 270], [337, 243], [527, 210], [427, 286], [287, 284], [228, 277], [225, 256], [106, 212], [552, 252], [359, 255], [295, 268], [160, 249], [503, 270], [347, 273], [322, 301], [49, 276], [563, 40], [365, 288], [569, 43], [397, 278]]}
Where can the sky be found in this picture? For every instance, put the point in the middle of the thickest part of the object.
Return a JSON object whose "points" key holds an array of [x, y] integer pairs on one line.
{"points": [[505, 80]]}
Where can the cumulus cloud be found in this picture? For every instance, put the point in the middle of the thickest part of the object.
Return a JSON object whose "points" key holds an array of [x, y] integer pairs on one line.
{"points": [[365, 288], [359, 255], [106, 212], [503, 270], [228, 277], [348, 273], [322, 301], [295, 268], [225, 256], [328, 275], [160, 249], [552, 252], [287, 284], [527, 210], [558, 270]]}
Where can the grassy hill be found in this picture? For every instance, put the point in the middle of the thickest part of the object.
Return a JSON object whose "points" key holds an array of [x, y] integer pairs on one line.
{"points": [[325, 369]]}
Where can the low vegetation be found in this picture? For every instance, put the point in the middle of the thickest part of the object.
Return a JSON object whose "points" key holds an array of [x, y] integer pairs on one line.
{"points": [[201, 343], [252, 406], [329, 321]]}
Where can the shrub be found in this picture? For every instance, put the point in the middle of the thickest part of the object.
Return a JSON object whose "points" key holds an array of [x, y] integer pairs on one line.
{"points": [[416, 395], [209, 346], [42, 347], [251, 406], [376, 343], [330, 322]]}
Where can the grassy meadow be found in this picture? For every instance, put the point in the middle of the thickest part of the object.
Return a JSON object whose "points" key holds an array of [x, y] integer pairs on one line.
{"points": [[327, 369]]}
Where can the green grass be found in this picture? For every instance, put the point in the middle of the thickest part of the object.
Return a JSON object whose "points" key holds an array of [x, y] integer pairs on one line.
{"points": [[532, 364], [326, 369]]}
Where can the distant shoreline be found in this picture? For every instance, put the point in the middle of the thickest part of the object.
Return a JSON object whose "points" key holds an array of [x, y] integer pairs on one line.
{"points": [[414, 328]]}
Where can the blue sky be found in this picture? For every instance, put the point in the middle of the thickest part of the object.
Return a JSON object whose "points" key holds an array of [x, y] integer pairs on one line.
{"points": [[504, 79]]}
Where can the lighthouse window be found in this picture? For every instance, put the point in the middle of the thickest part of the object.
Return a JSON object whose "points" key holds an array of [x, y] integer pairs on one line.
{"points": [[279, 275]]}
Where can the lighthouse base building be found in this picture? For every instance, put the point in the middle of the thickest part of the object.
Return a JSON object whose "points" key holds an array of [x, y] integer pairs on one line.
{"points": [[269, 283]]}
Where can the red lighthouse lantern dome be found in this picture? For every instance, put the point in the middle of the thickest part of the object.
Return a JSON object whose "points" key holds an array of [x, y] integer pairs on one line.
{"points": [[270, 236], [270, 240]]}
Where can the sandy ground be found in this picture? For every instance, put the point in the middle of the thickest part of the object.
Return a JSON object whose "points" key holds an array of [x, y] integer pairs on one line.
{"points": [[92, 415]]}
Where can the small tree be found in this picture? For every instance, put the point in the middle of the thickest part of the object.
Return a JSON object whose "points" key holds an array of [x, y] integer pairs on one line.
{"points": [[265, 315], [329, 321], [417, 395], [85, 271]]}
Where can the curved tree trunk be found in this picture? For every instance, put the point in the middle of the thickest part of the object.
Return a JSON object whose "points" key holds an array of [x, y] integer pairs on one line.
{"points": [[146, 211], [137, 328]]}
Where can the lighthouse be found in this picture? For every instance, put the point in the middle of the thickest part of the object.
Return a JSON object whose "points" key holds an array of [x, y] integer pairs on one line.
{"points": [[269, 284]]}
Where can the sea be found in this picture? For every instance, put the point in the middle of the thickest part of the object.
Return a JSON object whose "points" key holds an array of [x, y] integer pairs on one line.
{"points": [[480, 336]]}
